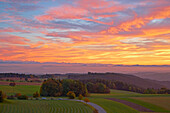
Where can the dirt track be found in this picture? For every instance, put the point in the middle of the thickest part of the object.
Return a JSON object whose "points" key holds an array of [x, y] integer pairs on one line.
{"points": [[132, 105]]}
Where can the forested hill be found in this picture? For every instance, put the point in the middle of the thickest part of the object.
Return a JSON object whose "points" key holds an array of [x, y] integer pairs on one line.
{"points": [[130, 79], [126, 78]]}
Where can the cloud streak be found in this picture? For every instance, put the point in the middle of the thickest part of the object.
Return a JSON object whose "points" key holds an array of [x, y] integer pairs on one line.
{"points": [[85, 31]]}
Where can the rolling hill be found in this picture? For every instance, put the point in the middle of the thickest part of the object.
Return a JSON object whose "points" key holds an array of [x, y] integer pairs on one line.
{"points": [[127, 78]]}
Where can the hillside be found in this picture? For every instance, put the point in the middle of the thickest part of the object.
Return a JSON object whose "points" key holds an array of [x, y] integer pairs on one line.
{"points": [[154, 75], [130, 79]]}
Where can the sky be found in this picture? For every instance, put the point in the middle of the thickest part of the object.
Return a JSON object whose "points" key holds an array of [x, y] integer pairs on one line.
{"points": [[125, 32]]}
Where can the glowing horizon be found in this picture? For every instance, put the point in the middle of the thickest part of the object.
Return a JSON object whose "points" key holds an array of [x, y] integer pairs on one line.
{"points": [[125, 32]]}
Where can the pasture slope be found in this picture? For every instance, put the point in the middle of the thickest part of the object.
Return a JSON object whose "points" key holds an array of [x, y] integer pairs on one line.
{"points": [[160, 103]]}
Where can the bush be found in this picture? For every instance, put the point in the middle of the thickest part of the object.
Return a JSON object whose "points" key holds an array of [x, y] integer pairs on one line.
{"points": [[86, 100], [2, 96], [11, 97], [71, 95], [23, 97], [36, 94], [80, 97], [12, 84], [57, 94], [17, 94]]}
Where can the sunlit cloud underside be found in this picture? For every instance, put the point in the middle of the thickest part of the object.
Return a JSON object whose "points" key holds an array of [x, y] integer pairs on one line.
{"points": [[86, 31]]}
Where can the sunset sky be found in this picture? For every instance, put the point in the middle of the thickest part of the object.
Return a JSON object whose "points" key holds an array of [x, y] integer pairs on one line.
{"points": [[86, 31]]}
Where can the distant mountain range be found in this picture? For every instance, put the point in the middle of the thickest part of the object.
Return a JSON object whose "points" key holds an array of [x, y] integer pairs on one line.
{"points": [[127, 78]]}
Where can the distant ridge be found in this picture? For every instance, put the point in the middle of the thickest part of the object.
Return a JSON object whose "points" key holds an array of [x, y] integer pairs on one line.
{"points": [[127, 78], [82, 64]]}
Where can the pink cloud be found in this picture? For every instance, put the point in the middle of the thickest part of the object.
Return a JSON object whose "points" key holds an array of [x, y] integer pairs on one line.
{"points": [[20, 1], [84, 9], [12, 30], [138, 22], [93, 3], [63, 12], [12, 39]]}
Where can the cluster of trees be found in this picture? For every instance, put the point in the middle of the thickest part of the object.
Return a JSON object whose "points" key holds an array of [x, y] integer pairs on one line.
{"points": [[124, 86], [109, 83], [97, 88], [50, 75], [52, 87], [18, 96], [3, 75], [115, 85], [157, 91]]}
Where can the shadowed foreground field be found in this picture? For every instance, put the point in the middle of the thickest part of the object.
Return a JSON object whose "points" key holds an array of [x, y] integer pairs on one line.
{"points": [[44, 106]]}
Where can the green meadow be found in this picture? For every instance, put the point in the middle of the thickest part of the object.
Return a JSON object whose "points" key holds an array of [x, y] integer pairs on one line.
{"points": [[44, 106], [161, 103], [23, 89], [155, 102]]}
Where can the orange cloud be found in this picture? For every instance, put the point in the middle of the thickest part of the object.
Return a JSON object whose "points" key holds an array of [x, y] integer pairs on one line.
{"points": [[90, 31], [11, 39], [138, 22]]}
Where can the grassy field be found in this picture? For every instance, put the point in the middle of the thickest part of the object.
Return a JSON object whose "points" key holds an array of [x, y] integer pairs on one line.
{"points": [[155, 102], [151, 106], [44, 106], [111, 106], [23, 89], [162, 102]]}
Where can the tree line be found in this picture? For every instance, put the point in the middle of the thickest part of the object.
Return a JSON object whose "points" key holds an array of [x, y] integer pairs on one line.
{"points": [[123, 86], [17, 75], [53, 87]]}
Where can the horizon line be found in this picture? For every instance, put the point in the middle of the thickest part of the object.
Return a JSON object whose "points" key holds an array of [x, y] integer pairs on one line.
{"points": [[84, 64]]}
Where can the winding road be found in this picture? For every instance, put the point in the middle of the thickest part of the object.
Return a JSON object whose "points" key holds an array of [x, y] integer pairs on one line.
{"points": [[97, 107]]}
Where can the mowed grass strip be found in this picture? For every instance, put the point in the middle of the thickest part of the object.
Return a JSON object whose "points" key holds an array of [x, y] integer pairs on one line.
{"points": [[146, 104], [113, 107], [162, 102], [126, 95], [44, 106], [23, 89]]}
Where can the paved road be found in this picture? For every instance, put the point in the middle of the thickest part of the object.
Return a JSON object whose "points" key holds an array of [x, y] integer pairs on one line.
{"points": [[97, 107]]}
